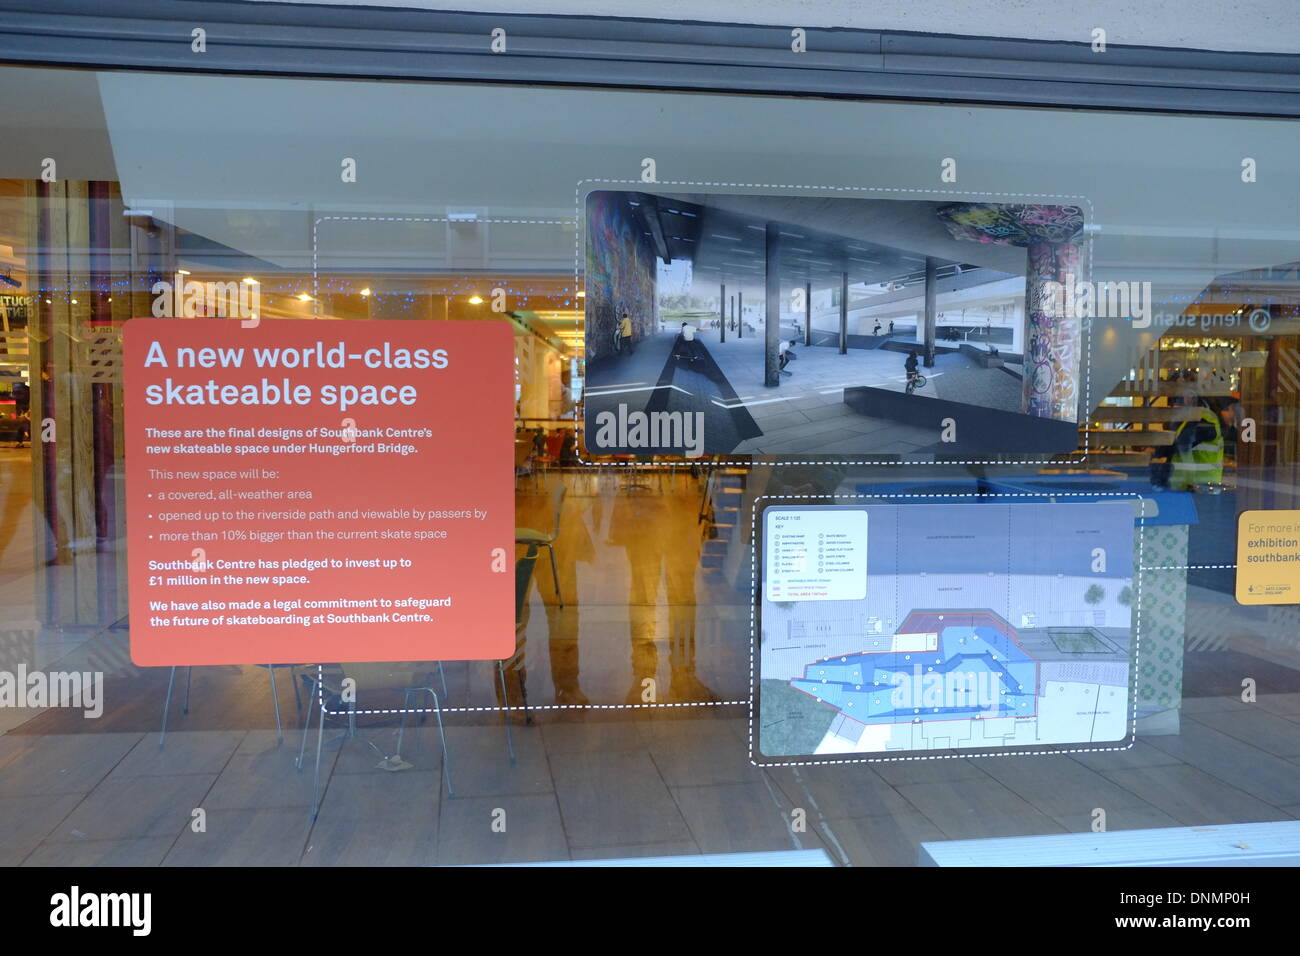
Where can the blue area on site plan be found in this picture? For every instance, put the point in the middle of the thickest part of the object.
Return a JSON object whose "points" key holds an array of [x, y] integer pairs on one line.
{"points": [[978, 669]]}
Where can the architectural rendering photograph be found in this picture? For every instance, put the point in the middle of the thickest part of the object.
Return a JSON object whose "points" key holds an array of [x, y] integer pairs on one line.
{"points": [[789, 326]]}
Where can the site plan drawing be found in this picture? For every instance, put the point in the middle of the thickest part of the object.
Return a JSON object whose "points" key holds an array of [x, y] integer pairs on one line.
{"points": [[893, 628]]}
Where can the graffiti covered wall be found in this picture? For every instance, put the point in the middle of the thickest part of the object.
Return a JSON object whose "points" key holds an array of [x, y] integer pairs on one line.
{"points": [[620, 272]]}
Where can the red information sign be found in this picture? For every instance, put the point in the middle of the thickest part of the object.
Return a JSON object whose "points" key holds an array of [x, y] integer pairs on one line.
{"points": [[310, 491]]}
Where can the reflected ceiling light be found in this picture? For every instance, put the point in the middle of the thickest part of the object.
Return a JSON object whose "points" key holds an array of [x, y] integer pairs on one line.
{"points": [[303, 297], [182, 272], [475, 300], [249, 280], [365, 291], [582, 295]]}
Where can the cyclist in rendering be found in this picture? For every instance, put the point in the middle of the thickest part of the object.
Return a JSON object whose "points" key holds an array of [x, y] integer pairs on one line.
{"points": [[909, 365]]}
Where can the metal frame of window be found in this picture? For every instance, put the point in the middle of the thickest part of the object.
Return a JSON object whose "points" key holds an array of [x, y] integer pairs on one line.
{"points": [[378, 42]]}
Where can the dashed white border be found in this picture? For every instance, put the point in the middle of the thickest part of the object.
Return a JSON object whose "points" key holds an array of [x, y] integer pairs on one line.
{"points": [[1073, 457], [502, 709], [315, 230], [315, 274], [757, 596], [1066, 458]]}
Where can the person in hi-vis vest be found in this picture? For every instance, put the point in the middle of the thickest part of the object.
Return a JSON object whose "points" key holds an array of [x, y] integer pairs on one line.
{"points": [[1198, 450]]}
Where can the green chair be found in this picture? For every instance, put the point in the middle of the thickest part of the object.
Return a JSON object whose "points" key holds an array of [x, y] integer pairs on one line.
{"points": [[516, 663], [546, 539]]}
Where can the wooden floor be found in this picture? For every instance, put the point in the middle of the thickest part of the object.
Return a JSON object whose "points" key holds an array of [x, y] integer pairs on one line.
{"points": [[593, 781]]}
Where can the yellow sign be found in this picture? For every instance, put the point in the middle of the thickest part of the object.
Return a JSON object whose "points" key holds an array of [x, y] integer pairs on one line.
{"points": [[1268, 557]]}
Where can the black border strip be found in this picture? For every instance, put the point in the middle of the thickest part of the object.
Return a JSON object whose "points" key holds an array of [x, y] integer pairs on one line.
{"points": [[381, 42]]}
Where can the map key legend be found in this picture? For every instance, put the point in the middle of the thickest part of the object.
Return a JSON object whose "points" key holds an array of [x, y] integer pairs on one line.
{"points": [[816, 555]]}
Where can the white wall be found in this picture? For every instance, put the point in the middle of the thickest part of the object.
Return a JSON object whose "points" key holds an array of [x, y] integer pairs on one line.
{"points": [[1253, 25]]}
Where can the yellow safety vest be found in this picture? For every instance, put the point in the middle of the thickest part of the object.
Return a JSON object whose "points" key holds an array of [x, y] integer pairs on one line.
{"points": [[1203, 462]]}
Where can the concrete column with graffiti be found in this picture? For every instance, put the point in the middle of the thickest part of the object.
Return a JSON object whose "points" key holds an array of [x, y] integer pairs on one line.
{"points": [[1053, 339]]}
